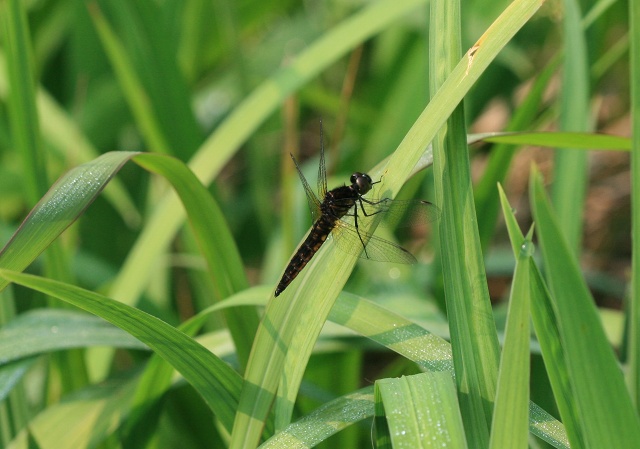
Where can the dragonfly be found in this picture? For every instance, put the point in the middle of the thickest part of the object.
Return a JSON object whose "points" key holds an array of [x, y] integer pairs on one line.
{"points": [[328, 211]]}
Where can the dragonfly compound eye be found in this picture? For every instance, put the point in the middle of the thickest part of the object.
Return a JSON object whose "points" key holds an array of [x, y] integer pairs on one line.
{"points": [[363, 181]]}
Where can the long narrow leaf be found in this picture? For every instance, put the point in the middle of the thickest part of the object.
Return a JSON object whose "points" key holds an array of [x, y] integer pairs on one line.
{"points": [[214, 380], [634, 299], [420, 411], [607, 416]]}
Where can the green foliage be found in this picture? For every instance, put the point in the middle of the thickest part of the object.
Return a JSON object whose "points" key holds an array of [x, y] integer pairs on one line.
{"points": [[150, 319]]}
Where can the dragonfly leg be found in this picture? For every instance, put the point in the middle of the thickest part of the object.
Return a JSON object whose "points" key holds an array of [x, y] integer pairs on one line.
{"points": [[355, 218], [373, 203]]}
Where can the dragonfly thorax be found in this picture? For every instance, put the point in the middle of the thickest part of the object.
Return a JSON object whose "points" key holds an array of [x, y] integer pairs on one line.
{"points": [[361, 182]]}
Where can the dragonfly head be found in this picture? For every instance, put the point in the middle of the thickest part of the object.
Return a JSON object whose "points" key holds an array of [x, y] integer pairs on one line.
{"points": [[361, 182]]}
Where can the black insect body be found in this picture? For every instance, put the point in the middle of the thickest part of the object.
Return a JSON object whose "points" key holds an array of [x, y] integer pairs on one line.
{"points": [[349, 201]]}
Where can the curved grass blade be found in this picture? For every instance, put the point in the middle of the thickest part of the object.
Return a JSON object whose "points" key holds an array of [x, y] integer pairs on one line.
{"points": [[58, 209], [216, 244], [327, 420], [213, 379], [45, 330], [73, 192]]}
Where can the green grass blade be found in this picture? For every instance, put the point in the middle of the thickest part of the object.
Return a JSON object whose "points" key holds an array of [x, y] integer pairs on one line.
{"points": [[58, 208], [545, 324], [131, 84], [607, 417], [420, 411], [586, 141], [218, 248], [570, 166], [25, 129], [473, 336], [42, 331], [510, 425], [328, 419], [214, 380], [634, 298]]}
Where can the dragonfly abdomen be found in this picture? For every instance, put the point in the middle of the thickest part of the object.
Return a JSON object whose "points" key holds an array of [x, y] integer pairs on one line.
{"points": [[317, 236]]}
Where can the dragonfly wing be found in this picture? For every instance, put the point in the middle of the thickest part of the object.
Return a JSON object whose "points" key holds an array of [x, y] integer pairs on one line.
{"points": [[348, 239], [312, 199], [322, 168], [402, 213]]}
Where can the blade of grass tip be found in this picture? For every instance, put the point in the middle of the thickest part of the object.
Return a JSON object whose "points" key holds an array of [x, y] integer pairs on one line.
{"points": [[570, 166], [547, 333], [510, 424], [65, 201], [607, 416], [634, 299]]}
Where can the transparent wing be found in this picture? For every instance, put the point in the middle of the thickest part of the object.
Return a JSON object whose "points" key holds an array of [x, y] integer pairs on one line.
{"points": [[394, 213], [322, 169], [401, 213], [346, 238], [312, 199]]}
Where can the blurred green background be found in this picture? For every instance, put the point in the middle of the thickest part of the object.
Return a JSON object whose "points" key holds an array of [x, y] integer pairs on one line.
{"points": [[208, 79]]}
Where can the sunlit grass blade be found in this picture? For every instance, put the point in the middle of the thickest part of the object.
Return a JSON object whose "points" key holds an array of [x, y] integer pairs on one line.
{"points": [[419, 411], [328, 419], [214, 380], [474, 339], [607, 416]]}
